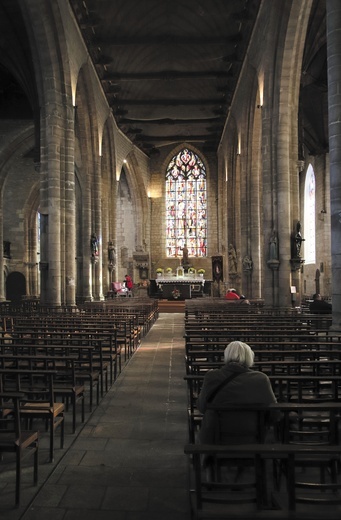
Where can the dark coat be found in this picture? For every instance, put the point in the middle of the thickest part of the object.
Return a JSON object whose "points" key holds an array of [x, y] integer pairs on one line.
{"points": [[320, 307], [249, 387]]}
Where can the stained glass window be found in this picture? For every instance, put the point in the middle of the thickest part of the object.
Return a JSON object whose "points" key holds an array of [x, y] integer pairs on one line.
{"points": [[186, 205], [309, 217]]}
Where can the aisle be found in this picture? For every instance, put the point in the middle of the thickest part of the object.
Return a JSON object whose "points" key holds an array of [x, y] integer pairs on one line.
{"points": [[128, 461]]}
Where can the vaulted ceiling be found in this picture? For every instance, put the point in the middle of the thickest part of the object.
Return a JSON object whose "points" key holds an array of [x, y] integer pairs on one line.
{"points": [[168, 68]]}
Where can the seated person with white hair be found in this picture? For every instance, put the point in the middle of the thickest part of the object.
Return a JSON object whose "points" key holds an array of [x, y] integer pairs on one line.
{"points": [[234, 383]]}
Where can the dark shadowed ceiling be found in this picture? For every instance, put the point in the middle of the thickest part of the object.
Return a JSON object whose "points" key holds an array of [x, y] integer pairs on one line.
{"points": [[168, 68]]}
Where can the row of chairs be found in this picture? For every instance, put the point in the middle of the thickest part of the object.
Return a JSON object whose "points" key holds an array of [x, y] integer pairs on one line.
{"points": [[49, 363], [295, 464]]}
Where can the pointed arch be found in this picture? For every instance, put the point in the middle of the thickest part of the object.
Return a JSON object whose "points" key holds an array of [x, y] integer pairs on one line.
{"points": [[309, 217], [186, 204]]}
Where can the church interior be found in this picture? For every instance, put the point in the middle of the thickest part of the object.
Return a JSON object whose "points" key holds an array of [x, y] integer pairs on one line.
{"points": [[155, 155]]}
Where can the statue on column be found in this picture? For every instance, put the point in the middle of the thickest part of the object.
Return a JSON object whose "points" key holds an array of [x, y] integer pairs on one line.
{"points": [[94, 245], [273, 261], [298, 239], [273, 246], [111, 253], [232, 259], [247, 263]]}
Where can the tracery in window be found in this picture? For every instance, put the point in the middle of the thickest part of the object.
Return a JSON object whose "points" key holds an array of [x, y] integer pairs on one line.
{"points": [[186, 205], [309, 217]]}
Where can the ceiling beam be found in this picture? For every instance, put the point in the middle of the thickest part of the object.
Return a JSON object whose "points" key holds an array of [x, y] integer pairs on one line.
{"points": [[167, 102], [168, 121], [167, 75], [166, 39], [177, 137]]}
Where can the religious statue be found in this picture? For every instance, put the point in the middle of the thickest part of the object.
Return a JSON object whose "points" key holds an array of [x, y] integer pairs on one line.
{"points": [[247, 263], [298, 239], [111, 253], [185, 261], [273, 246], [94, 244], [232, 259]]}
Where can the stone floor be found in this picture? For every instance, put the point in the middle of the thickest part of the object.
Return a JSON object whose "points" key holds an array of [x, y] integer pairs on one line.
{"points": [[127, 461]]}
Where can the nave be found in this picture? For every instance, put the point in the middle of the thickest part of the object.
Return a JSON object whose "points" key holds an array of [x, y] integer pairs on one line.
{"points": [[128, 460]]}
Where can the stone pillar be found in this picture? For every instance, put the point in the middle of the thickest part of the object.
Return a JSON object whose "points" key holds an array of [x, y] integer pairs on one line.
{"points": [[51, 263], [70, 211], [54, 263], [334, 112], [85, 277], [2, 277], [31, 265], [98, 267], [269, 265]]}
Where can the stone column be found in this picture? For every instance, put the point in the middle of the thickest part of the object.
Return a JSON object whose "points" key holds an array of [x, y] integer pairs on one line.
{"points": [[51, 262], [2, 277], [70, 211], [334, 112], [98, 268]]}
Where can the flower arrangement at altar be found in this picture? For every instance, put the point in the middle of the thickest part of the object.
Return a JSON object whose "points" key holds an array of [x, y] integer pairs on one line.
{"points": [[191, 270], [176, 293], [169, 270], [201, 271], [159, 270]]}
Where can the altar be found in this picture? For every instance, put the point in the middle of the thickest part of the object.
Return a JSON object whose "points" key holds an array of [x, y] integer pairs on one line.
{"points": [[179, 288]]}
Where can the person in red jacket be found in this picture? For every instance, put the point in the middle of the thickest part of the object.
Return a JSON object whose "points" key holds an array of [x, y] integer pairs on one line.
{"points": [[128, 282], [231, 295]]}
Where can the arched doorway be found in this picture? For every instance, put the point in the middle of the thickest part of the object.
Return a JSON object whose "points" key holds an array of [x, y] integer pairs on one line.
{"points": [[15, 286]]}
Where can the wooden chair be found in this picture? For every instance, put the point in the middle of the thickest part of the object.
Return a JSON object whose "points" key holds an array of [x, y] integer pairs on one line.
{"points": [[261, 500], [66, 387], [38, 401], [14, 440], [86, 372], [64, 381], [221, 498], [314, 424]]}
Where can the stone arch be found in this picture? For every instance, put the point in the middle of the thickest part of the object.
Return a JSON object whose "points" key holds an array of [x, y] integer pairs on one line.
{"points": [[126, 224], [52, 71], [211, 179], [177, 149], [138, 187], [15, 286], [287, 144], [13, 159], [109, 187], [255, 245], [32, 258], [186, 240], [88, 205], [231, 162]]}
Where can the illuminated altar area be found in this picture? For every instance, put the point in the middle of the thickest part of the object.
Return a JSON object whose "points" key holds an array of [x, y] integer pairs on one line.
{"points": [[180, 285], [180, 288]]}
